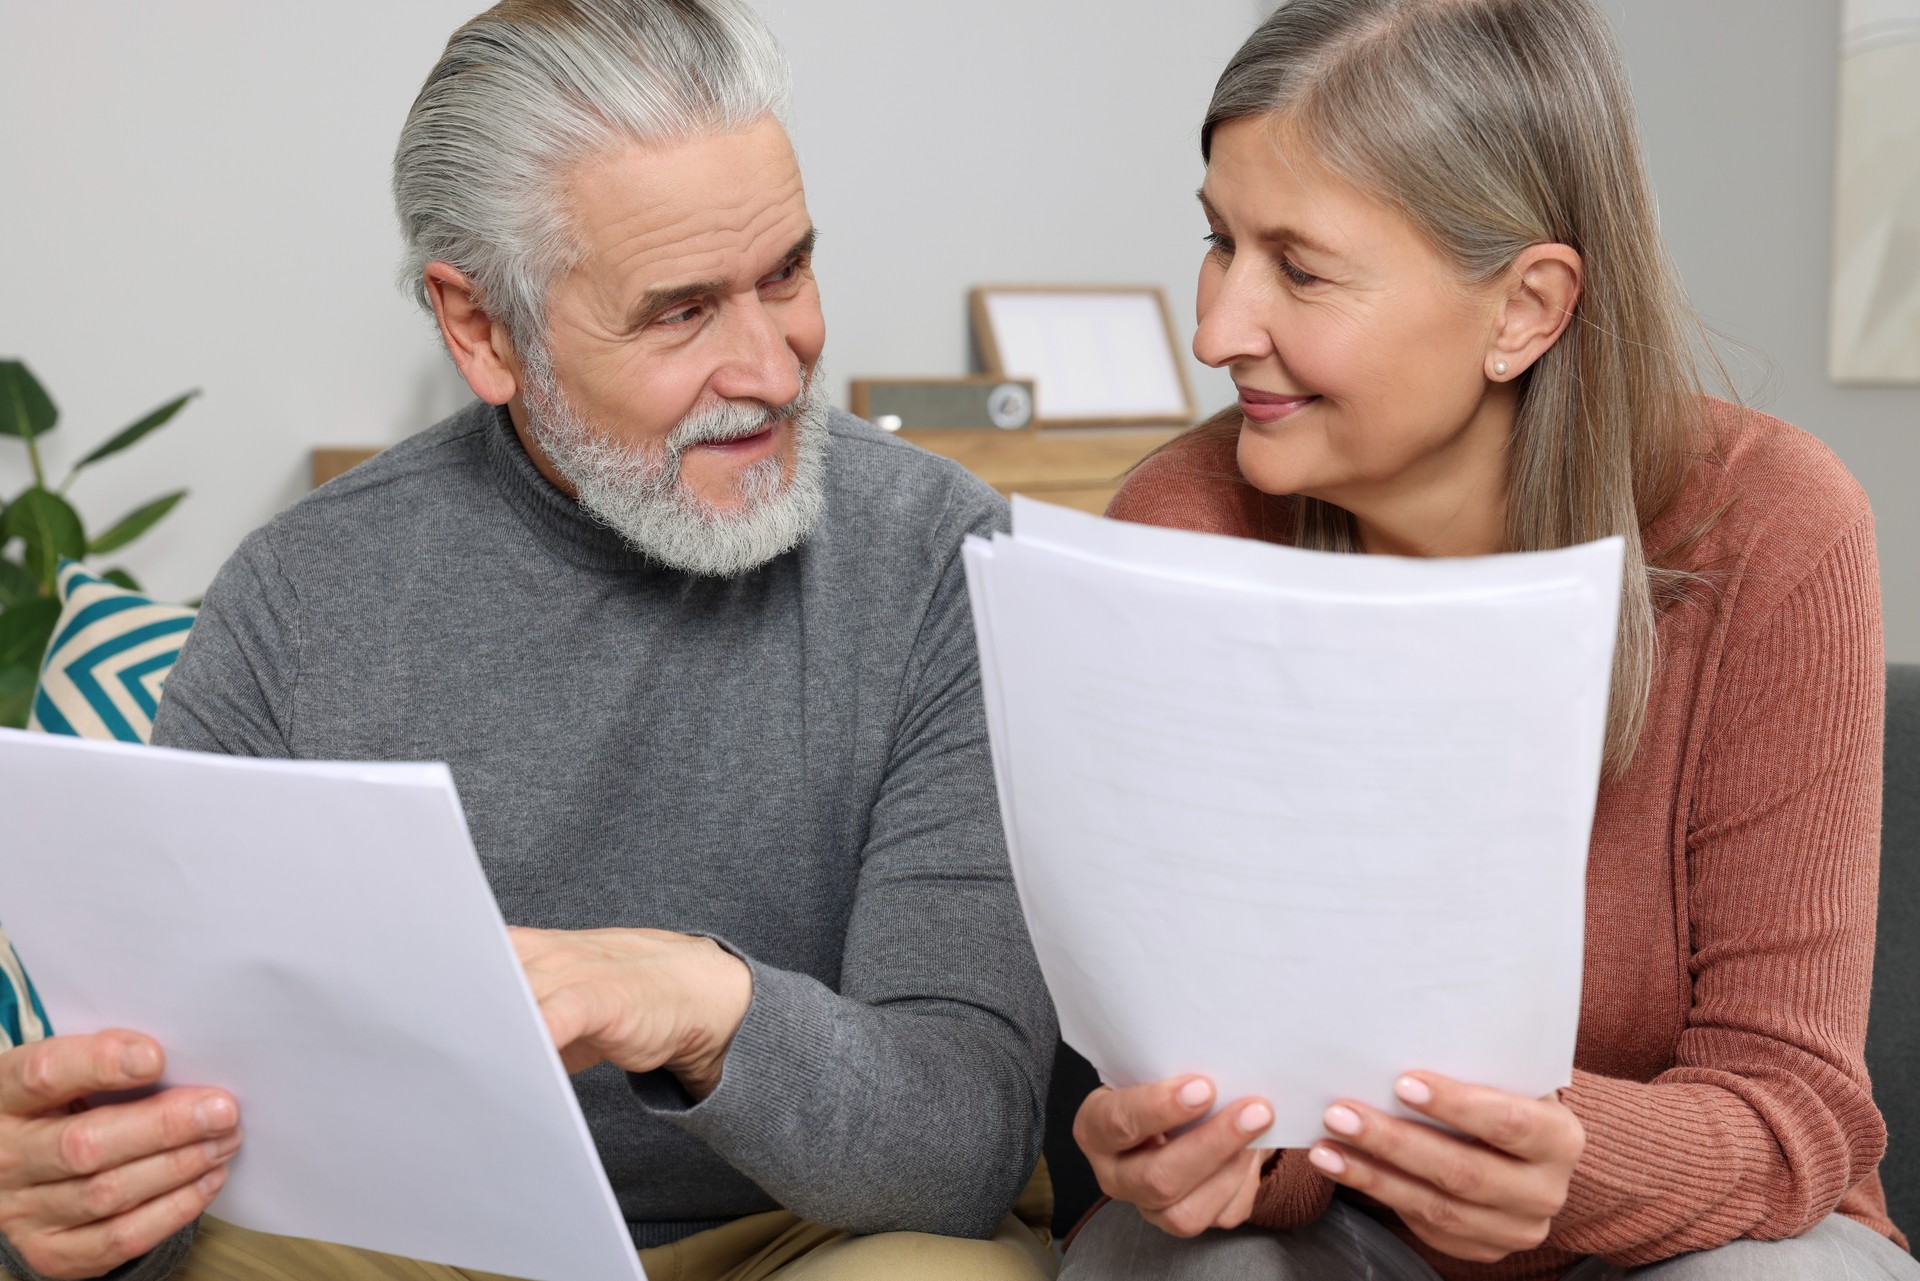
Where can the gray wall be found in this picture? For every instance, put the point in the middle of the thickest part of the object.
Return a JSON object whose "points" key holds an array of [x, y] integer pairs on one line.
{"points": [[196, 197], [1737, 101]]}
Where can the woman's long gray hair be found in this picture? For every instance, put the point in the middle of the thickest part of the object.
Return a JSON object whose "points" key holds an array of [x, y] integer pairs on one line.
{"points": [[1493, 126]]}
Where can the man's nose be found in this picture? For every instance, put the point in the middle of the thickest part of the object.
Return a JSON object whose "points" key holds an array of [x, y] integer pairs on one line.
{"points": [[760, 364]]}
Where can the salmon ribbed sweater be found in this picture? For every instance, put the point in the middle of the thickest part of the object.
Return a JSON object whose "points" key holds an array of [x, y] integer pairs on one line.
{"points": [[1731, 881]]}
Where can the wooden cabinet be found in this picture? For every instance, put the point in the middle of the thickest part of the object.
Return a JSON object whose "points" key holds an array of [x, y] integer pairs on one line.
{"points": [[1073, 466], [325, 464]]}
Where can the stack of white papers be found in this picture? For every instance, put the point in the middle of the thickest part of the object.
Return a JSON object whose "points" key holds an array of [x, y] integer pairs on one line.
{"points": [[1299, 822], [319, 939]]}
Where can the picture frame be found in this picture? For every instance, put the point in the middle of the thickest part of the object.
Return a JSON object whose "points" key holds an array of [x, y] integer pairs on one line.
{"points": [[1874, 318], [1099, 355]]}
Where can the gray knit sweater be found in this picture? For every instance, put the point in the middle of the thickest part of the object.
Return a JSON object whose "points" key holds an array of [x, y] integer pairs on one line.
{"points": [[794, 762]]}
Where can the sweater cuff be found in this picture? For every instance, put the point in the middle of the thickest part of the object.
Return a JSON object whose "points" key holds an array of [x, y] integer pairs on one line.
{"points": [[1649, 1152], [159, 1262], [785, 1047], [1292, 1193]]}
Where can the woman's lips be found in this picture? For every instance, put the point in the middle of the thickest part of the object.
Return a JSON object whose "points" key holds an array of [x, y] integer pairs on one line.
{"points": [[1266, 407]]}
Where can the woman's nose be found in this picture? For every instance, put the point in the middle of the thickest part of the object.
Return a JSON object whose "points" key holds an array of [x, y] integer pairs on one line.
{"points": [[1235, 322]]}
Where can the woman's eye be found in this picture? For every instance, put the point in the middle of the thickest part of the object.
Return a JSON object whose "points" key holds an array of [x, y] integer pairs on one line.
{"points": [[1296, 277], [1218, 242]]}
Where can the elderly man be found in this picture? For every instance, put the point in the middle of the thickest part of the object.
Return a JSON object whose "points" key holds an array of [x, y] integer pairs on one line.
{"points": [[698, 651]]}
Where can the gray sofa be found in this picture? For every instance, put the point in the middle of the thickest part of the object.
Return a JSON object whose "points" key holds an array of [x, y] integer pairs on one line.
{"points": [[1893, 1041], [1893, 1027]]}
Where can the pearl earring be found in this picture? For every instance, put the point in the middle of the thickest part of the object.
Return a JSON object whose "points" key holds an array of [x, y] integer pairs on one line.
{"points": [[1500, 368]]}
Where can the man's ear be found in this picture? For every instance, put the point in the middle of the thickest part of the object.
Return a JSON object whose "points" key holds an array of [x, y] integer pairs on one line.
{"points": [[1544, 287], [478, 343]]}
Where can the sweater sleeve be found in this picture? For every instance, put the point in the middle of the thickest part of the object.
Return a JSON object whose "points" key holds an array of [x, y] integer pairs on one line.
{"points": [[913, 1097], [155, 1265], [1292, 1193], [1766, 1118], [232, 690]]}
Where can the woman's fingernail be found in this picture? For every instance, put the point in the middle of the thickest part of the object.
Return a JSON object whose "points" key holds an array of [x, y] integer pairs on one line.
{"points": [[214, 1115], [1253, 1118], [140, 1060], [212, 1181], [1343, 1120], [1327, 1160], [1196, 1092], [1413, 1090], [221, 1149]]}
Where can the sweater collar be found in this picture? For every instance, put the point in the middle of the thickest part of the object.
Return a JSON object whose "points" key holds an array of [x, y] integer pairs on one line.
{"points": [[556, 519]]}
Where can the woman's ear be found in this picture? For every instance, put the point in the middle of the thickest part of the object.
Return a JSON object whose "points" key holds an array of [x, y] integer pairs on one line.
{"points": [[1543, 289], [479, 345]]}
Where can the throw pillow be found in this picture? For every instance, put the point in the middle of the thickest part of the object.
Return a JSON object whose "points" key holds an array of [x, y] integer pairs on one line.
{"points": [[110, 655], [21, 1017]]}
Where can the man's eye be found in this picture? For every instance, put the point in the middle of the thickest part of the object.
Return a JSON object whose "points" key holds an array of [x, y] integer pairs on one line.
{"points": [[681, 316], [785, 274]]}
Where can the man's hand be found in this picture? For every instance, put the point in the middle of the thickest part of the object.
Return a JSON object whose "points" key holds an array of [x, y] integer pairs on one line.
{"points": [[1480, 1198], [1204, 1178], [644, 999], [82, 1190]]}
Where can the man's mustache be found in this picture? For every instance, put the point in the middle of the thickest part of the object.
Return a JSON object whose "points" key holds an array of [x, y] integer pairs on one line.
{"points": [[731, 421]]}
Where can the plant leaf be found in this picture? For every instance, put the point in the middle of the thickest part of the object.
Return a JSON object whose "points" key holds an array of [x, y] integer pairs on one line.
{"points": [[134, 523], [16, 584], [50, 528], [127, 436], [25, 407], [25, 631], [16, 694], [121, 578]]}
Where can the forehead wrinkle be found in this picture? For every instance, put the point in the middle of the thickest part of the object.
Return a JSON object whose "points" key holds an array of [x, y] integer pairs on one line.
{"points": [[1290, 142], [669, 253], [638, 253], [1306, 187], [644, 181]]}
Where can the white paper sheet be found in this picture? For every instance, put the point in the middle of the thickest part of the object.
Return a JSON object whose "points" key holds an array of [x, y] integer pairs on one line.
{"points": [[319, 939], [1298, 822]]}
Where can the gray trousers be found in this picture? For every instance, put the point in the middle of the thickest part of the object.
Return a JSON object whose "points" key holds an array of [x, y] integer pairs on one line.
{"points": [[1346, 1245]]}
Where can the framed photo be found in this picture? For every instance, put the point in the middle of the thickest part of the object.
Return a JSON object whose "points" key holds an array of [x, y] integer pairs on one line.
{"points": [[1874, 323], [1098, 355]]}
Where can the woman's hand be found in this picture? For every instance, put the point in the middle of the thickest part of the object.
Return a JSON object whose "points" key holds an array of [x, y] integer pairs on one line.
{"points": [[1479, 1198], [1185, 1184]]}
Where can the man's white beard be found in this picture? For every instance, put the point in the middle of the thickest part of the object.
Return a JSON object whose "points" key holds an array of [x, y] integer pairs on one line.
{"points": [[639, 493]]}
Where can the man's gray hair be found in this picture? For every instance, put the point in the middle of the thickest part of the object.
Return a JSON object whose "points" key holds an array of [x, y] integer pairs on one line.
{"points": [[531, 88]]}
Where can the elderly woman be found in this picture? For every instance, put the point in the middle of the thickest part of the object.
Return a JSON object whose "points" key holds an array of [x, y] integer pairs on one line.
{"points": [[1435, 272]]}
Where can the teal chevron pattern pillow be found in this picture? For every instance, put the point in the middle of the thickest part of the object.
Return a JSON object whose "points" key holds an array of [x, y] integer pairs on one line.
{"points": [[21, 1017], [109, 657]]}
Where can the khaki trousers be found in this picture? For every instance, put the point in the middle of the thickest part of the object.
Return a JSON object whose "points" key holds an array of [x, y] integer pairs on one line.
{"points": [[776, 1246]]}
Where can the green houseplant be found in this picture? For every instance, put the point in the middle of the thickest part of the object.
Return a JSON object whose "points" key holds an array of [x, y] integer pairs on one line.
{"points": [[39, 528]]}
